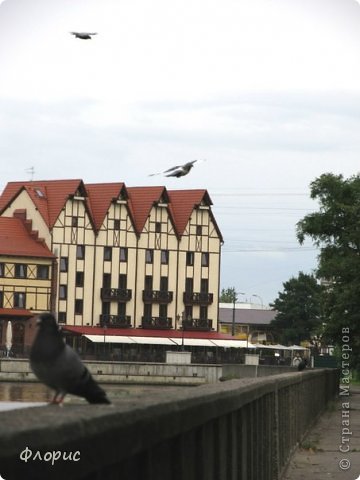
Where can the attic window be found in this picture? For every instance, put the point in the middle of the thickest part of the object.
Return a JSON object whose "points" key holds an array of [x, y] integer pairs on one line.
{"points": [[39, 193]]}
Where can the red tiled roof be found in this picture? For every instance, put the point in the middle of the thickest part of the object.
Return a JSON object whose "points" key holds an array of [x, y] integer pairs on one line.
{"points": [[15, 239], [100, 196], [49, 196], [16, 312], [140, 332], [142, 200]]}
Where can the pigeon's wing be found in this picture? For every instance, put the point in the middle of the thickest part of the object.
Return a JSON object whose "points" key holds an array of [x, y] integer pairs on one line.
{"points": [[70, 375], [172, 168]]}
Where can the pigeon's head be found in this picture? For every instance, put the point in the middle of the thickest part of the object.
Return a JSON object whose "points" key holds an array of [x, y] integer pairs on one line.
{"points": [[47, 322]]}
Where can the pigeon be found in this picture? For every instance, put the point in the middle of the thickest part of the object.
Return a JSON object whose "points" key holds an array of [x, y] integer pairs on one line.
{"points": [[178, 171], [83, 35], [59, 367], [302, 365]]}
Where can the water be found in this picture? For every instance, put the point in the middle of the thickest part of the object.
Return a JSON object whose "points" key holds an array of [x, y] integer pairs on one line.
{"points": [[23, 395]]}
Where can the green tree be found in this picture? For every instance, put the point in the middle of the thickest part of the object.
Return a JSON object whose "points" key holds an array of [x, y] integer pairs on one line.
{"points": [[298, 309], [228, 295], [335, 229]]}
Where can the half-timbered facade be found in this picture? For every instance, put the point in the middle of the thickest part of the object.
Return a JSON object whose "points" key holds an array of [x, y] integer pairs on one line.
{"points": [[26, 270], [137, 257]]}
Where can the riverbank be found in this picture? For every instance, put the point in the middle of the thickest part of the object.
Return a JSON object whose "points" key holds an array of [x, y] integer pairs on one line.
{"points": [[18, 370]]}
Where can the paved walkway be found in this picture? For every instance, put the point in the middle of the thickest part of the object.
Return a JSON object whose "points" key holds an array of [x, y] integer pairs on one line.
{"points": [[319, 457]]}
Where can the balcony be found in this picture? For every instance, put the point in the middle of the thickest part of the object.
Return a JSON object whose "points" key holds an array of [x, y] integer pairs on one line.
{"points": [[198, 298], [157, 296], [115, 321], [197, 324], [116, 294], [156, 323]]}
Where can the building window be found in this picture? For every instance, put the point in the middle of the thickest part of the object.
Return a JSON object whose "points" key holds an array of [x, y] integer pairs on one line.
{"points": [[105, 308], [204, 285], [165, 257], [147, 310], [189, 285], [42, 272], [123, 254], [148, 282], [163, 310], [158, 227], [116, 224], [63, 264], [19, 300], [20, 270], [62, 292], [80, 252], [149, 256], [122, 309], [2, 269], [198, 230], [106, 280], [108, 254], [205, 259], [62, 317], [164, 284], [74, 221], [122, 281], [189, 258], [79, 306], [79, 279], [203, 313], [1, 299]]}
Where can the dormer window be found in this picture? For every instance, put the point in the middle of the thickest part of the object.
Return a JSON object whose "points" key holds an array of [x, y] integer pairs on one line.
{"points": [[39, 193]]}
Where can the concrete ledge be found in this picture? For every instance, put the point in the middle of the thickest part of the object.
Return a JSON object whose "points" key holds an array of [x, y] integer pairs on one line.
{"points": [[249, 424]]}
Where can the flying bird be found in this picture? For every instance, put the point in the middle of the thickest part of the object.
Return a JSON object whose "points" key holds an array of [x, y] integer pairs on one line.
{"points": [[83, 35], [178, 171], [59, 367]]}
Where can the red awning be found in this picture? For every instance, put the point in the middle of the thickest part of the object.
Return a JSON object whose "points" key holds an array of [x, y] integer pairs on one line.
{"points": [[16, 312]]}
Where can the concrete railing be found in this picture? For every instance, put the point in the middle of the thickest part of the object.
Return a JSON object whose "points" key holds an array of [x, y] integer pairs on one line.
{"points": [[152, 373], [239, 429]]}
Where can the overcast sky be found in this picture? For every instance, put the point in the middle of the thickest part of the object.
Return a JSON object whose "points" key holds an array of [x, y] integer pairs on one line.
{"points": [[267, 91]]}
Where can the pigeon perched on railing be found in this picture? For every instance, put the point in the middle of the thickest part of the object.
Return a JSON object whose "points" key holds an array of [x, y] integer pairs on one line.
{"points": [[59, 367], [83, 35], [178, 171]]}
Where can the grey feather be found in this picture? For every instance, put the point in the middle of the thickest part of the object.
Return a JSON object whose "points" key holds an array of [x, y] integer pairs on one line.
{"points": [[59, 367]]}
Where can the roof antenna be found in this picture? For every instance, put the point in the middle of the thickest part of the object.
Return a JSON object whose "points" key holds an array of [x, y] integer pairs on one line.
{"points": [[31, 172]]}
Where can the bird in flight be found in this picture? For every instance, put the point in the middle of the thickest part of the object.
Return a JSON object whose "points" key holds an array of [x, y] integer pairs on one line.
{"points": [[59, 367], [83, 35], [178, 171]]}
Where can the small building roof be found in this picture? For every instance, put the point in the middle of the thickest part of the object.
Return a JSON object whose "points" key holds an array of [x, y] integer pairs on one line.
{"points": [[17, 240], [246, 316]]}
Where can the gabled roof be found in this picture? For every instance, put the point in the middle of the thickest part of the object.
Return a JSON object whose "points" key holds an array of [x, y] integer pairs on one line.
{"points": [[183, 203], [142, 199], [16, 240], [49, 196], [100, 197]]}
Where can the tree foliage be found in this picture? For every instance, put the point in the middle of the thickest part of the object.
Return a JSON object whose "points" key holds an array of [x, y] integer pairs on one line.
{"points": [[228, 295], [298, 309], [335, 229]]}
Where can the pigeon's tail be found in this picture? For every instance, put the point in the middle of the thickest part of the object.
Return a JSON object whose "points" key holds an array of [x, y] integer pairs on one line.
{"points": [[90, 390]]}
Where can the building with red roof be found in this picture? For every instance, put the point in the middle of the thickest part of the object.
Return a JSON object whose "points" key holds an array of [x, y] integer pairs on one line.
{"points": [[26, 270], [126, 257]]}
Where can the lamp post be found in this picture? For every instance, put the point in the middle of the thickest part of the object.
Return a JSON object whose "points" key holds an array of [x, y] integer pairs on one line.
{"points": [[233, 312], [261, 300]]}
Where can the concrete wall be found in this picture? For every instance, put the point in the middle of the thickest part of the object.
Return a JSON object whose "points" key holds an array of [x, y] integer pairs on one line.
{"points": [[240, 429], [143, 373]]}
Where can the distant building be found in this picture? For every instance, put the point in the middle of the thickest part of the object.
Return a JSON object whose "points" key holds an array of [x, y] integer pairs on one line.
{"points": [[247, 321], [119, 257], [26, 270]]}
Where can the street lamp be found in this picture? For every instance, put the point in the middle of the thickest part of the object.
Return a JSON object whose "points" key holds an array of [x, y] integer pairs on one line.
{"points": [[261, 300], [233, 312]]}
